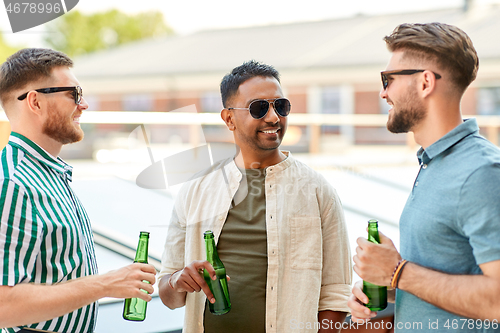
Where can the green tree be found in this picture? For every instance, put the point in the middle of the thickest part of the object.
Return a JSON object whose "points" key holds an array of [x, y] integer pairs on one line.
{"points": [[6, 50], [75, 33]]}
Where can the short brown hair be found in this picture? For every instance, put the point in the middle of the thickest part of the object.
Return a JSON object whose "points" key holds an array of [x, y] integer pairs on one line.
{"points": [[29, 65], [446, 45]]}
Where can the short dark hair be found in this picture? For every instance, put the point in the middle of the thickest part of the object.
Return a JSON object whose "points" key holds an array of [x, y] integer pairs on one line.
{"points": [[446, 45], [29, 65], [232, 81]]}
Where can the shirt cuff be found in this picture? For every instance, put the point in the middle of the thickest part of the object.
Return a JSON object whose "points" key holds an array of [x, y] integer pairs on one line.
{"points": [[334, 297], [165, 271]]}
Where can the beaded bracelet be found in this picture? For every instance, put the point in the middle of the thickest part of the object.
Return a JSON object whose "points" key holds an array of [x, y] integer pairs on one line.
{"points": [[395, 269], [396, 273], [400, 272]]}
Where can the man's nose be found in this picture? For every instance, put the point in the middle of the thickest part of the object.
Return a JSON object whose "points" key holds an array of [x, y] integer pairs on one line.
{"points": [[271, 115], [383, 93], [83, 104]]}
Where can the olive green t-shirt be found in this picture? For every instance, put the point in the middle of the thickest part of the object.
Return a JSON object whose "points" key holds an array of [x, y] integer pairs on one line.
{"points": [[242, 247]]}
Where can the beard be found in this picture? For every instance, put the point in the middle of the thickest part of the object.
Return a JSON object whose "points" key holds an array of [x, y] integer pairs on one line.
{"points": [[61, 128], [404, 118]]}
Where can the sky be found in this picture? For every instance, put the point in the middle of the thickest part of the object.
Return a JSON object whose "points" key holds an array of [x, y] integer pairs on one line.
{"points": [[188, 16]]}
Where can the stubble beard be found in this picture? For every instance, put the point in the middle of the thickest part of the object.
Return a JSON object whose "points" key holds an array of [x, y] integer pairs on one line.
{"points": [[270, 145], [61, 129], [405, 118]]}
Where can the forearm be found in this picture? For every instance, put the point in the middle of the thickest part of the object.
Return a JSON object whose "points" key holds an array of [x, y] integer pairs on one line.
{"points": [[473, 296], [328, 321], [26, 303], [29, 303], [171, 298]]}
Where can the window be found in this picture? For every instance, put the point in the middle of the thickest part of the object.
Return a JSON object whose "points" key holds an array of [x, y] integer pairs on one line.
{"points": [[330, 104], [488, 101], [140, 102], [211, 102]]}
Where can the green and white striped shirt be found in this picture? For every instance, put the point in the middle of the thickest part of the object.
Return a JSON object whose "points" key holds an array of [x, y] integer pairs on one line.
{"points": [[45, 234]]}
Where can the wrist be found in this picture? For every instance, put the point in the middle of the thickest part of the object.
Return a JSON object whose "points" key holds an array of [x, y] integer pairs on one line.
{"points": [[170, 279], [396, 276], [391, 281], [404, 283], [99, 283]]}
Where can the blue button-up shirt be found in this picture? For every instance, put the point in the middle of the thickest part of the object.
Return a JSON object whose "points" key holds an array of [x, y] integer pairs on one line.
{"points": [[451, 221]]}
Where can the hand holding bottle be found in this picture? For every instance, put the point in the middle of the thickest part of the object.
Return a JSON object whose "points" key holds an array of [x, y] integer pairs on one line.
{"points": [[376, 262], [190, 279], [135, 308], [357, 303], [128, 281]]}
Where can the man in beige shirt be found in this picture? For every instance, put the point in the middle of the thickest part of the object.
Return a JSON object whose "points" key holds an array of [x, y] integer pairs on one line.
{"points": [[278, 224]]}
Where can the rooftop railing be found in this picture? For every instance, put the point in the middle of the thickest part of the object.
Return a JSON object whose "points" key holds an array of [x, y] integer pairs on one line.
{"points": [[314, 120]]}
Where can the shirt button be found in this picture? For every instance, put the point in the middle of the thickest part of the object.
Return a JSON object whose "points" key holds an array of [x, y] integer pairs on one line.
{"points": [[416, 184], [221, 218], [424, 166]]}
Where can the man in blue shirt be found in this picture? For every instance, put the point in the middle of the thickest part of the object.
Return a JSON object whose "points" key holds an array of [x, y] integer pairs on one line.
{"points": [[447, 276]]}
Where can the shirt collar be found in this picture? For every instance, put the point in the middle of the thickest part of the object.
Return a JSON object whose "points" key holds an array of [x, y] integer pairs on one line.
{"points": [[234, 170], [40, 154], [468, 127], [283, 164]]}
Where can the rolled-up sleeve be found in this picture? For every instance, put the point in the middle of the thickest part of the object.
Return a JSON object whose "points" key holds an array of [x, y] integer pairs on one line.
{"points": [[337, 265], [173, 257]]}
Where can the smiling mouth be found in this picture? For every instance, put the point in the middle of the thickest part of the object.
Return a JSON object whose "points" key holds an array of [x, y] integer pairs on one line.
{"points": [[273, 131]]}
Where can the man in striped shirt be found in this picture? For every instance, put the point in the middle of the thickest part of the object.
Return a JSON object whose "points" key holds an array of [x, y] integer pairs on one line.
{"points": [[47, 262]]}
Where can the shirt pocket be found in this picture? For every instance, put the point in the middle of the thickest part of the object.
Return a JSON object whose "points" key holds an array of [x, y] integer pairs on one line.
{"points": [[306, 242]]}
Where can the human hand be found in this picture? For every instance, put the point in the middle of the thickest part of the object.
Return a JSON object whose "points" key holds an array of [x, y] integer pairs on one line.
{"points": [[190, 279], [356, 302], [375, 263], [128, 281]]}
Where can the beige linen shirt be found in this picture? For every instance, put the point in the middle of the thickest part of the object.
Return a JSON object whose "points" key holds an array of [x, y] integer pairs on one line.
{"points": [[309, 260]]}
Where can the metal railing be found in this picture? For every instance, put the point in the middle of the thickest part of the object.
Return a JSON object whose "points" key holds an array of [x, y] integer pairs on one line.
{"points": [[314, 120]]}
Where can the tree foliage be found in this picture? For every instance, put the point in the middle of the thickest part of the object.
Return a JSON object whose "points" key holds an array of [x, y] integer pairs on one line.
{"points": [[6, 50], [75, 33]]}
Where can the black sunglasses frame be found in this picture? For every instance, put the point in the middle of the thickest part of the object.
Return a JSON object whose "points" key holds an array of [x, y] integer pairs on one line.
{"points": [[385, 80], [77, 91], [259, 115]]}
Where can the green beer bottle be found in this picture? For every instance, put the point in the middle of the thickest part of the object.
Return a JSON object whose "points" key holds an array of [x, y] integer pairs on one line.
{"points": [[218, 287], [135, 308], [377, 295]]}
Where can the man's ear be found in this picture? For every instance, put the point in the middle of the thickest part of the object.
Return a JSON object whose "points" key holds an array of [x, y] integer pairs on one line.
{"points": [[428, 83], [34, 100], [228, 117]]}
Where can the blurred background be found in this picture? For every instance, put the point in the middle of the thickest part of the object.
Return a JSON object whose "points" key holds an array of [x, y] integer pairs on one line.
{"points": [[159, 63]]}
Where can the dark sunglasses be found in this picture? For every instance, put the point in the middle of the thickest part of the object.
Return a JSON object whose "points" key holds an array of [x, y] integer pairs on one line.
{"points": [[385, 80], [77, 92], [258, 108]]}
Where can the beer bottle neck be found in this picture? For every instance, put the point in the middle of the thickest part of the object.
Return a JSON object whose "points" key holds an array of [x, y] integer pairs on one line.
{"points": [[141, 255], [212, 255], [373, 233]]}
